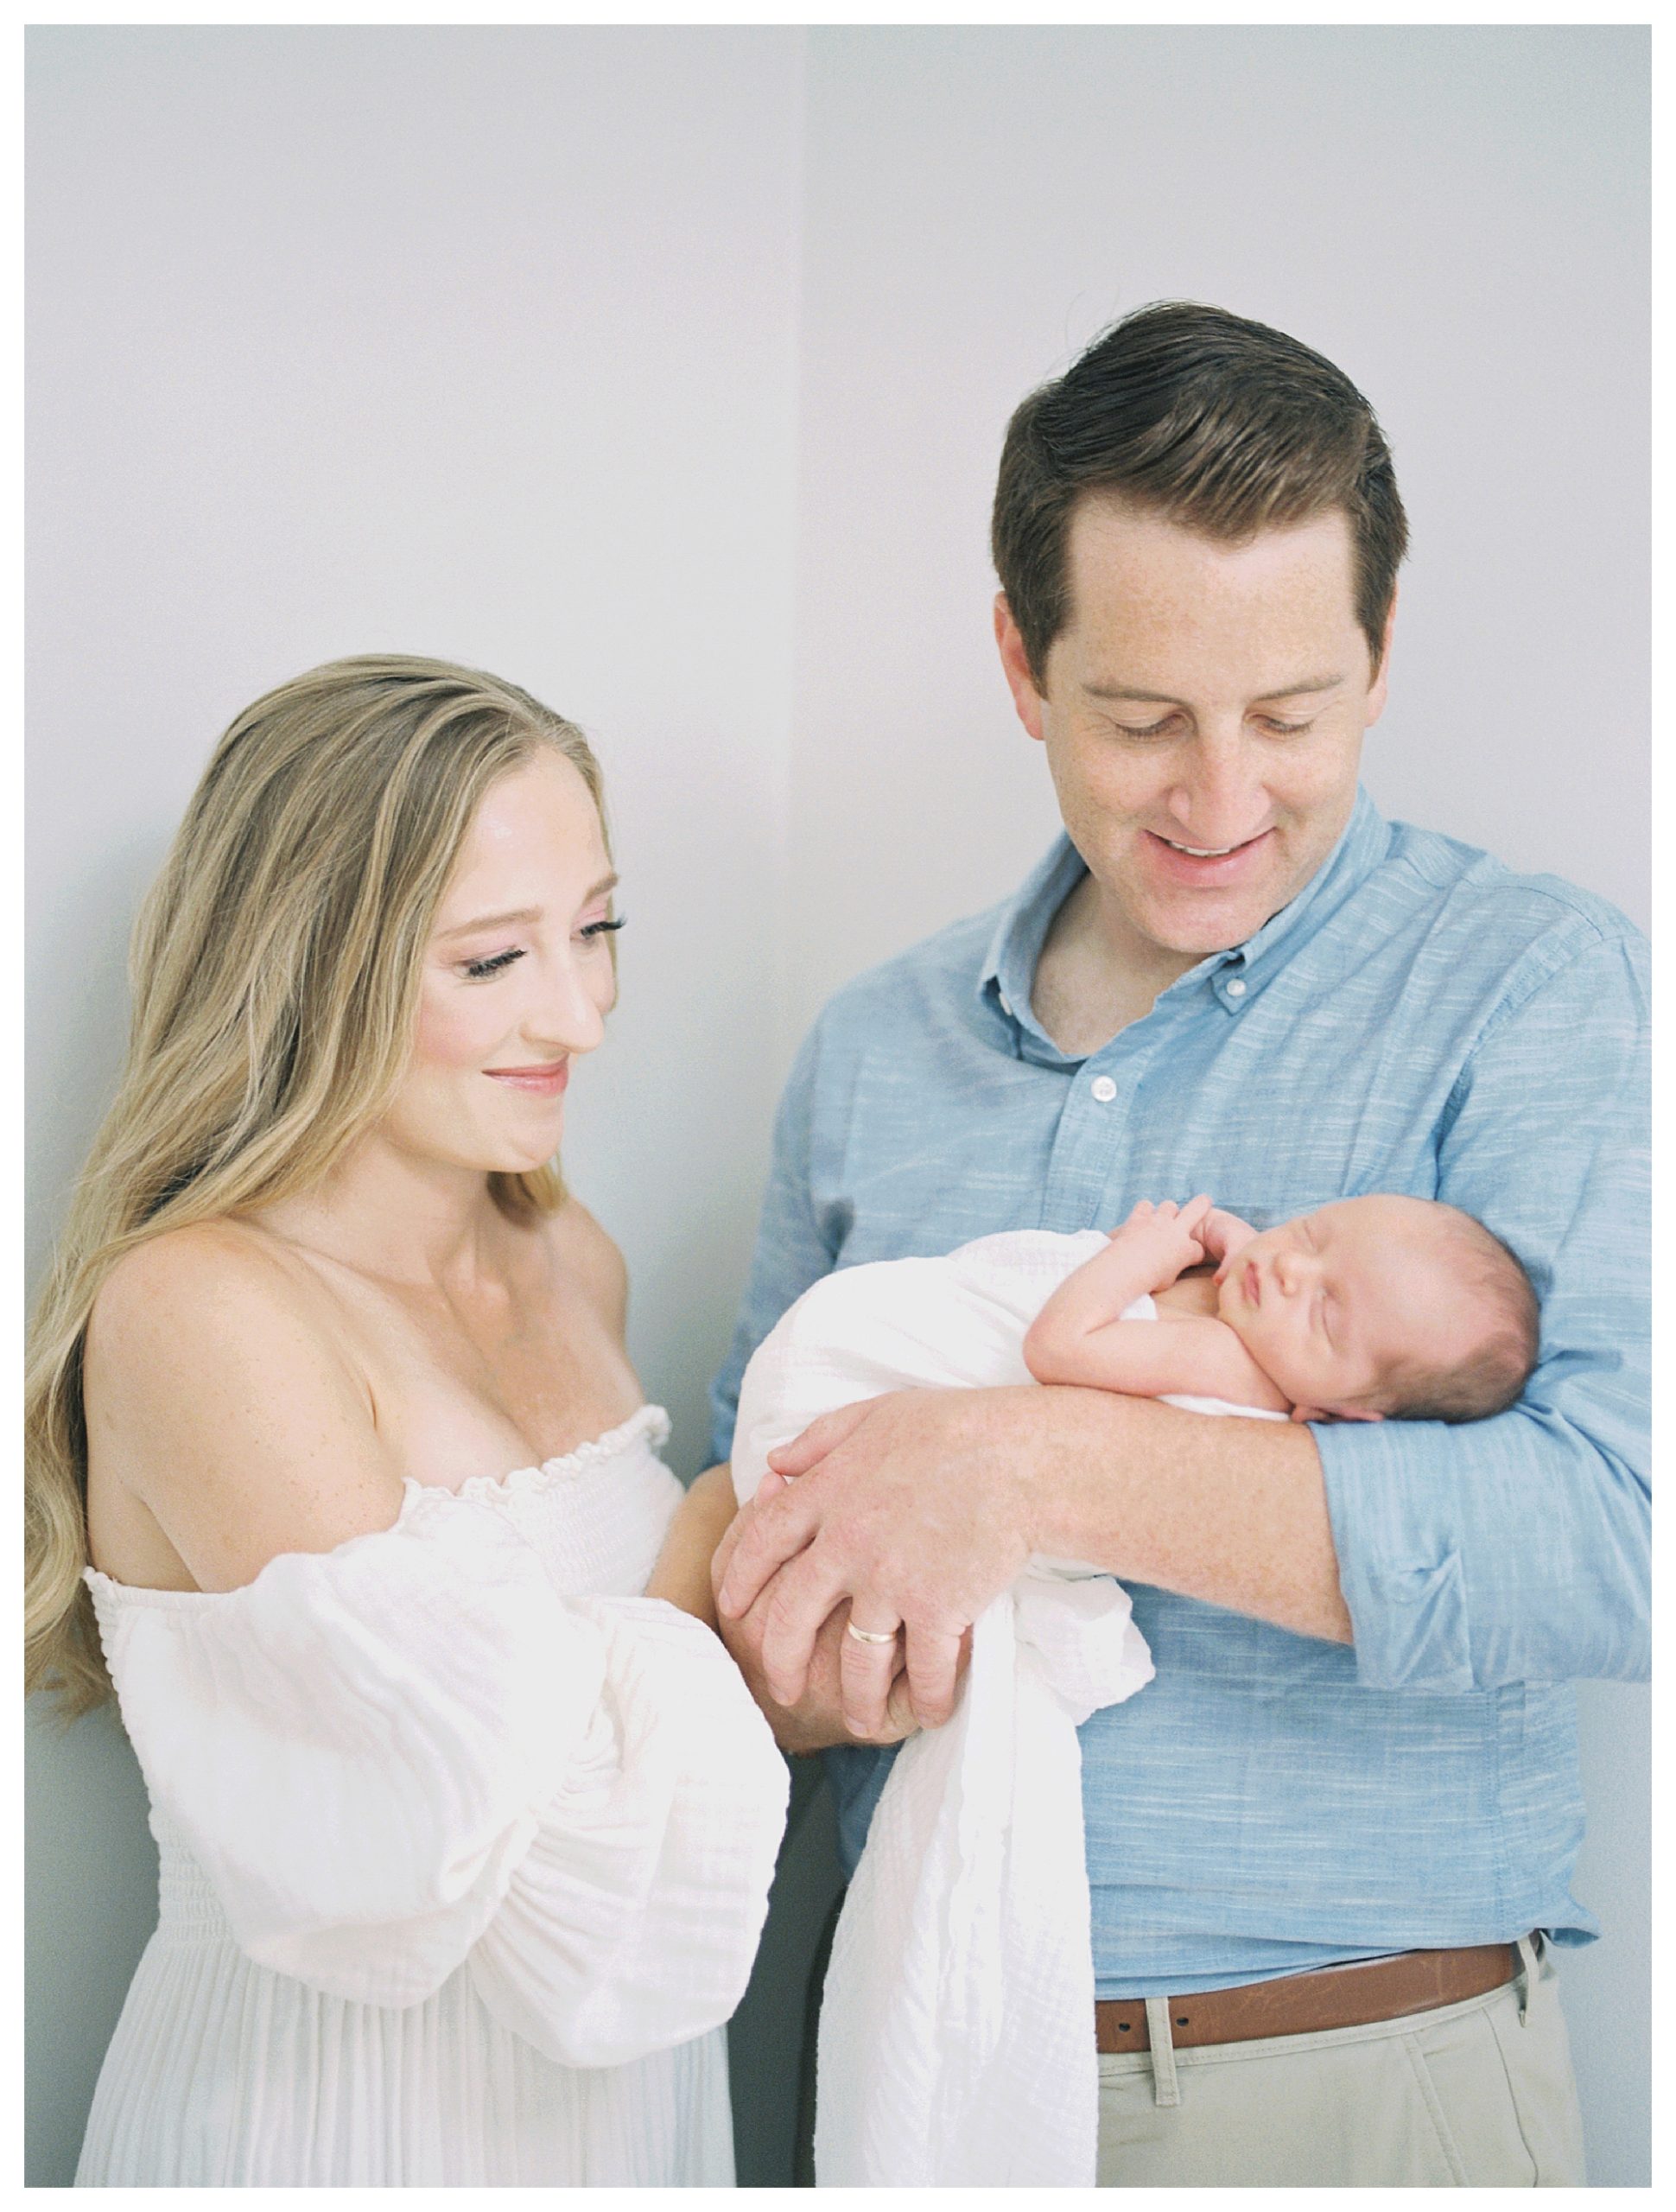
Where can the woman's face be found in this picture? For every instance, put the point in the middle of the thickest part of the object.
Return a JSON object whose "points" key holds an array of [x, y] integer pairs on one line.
{"points": [[517, 977]]}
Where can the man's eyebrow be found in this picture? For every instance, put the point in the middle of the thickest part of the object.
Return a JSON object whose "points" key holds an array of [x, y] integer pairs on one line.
{"points": [[523, 914], [1130, 691]]}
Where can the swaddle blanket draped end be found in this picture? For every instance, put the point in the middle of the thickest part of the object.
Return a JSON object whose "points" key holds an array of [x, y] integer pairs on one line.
{"points": [[956, 2034]]}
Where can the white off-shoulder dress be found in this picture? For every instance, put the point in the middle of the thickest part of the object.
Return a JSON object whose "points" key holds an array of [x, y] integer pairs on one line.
{"points": [[465, 1846]]}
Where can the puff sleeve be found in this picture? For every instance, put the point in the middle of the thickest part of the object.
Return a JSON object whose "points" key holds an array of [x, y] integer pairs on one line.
{"points": [[413, 1754]]}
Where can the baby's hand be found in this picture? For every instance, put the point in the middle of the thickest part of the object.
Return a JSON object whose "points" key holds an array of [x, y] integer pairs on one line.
{"points": [[1221, 1235], [1168, 1234]]}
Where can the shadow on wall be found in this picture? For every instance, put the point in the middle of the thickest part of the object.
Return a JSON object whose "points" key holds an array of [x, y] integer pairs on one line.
{"points": [[77, 1016], [91, 1883]]}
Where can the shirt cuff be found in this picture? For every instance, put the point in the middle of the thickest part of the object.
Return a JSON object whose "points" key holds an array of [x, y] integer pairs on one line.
{"points": [[1399, 1557]]}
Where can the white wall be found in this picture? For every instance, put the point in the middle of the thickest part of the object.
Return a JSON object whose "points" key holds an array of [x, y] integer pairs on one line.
{"points": [[664, 371], [480, 345]]}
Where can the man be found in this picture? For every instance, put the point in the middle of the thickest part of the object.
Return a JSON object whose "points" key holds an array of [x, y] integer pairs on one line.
{"points": [[1336, 1831]]}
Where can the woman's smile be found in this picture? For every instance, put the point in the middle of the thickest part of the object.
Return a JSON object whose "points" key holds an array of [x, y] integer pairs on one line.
{"points": [[546, 1081]]}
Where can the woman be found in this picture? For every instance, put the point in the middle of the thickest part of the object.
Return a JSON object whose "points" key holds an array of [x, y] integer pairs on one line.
{"points": [[338, 1461]]}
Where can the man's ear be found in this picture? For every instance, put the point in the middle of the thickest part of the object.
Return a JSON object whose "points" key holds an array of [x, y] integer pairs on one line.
{"points": [[1015, 667], [1309, 1413], [1355, 1413], [1381, 681]]}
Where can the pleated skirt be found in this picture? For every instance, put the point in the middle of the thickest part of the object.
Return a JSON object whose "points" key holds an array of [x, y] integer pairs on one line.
{"points": [[224, 2074]]}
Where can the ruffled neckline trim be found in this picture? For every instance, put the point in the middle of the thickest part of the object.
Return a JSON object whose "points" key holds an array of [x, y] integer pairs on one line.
{"points": [[649, 1421]]}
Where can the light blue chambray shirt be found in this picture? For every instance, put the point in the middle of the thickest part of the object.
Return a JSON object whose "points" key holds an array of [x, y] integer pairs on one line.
{"points": [[1418, 1020]]}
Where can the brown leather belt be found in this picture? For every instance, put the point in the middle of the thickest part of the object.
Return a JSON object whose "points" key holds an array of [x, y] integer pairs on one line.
{"points": [[1311, 2003]]}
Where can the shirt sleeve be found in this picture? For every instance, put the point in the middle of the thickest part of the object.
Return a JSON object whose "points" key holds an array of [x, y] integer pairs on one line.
{"points": [[791, 1250], [412, 1754], [1517, 1549]]}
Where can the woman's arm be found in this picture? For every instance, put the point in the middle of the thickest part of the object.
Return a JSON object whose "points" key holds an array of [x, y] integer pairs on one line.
{"points": [[682, 1575]]}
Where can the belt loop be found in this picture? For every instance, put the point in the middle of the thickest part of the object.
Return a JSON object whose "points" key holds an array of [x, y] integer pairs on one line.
{"points": [[1164, 2090], [1527, 1950]]}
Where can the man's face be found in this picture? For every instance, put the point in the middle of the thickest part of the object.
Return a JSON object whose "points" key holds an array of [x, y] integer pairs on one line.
{"points": [[1203, 712]]}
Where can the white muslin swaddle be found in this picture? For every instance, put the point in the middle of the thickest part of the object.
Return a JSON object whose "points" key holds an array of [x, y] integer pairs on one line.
{"points": [[956, 2033]]}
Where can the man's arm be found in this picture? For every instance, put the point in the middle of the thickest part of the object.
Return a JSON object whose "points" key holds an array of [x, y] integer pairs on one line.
{"points": [[1517, 1548], [1497, 1552], [923, 1504]]}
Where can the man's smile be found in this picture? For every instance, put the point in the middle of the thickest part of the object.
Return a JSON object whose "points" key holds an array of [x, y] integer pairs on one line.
{"points": [[1206, 867]]}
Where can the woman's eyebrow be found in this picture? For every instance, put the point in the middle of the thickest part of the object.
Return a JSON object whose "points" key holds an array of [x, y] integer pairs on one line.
{"points": [[525, 913], [494, 921]]}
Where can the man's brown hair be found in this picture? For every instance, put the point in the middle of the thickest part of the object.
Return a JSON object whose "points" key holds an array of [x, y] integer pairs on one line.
{"points": [[1220, 424]]}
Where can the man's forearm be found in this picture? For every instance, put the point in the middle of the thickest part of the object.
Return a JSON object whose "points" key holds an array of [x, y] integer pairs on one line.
{"points": [[1233, 1512]]}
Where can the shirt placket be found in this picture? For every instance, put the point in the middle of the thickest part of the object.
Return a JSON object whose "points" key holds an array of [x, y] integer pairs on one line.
{"points": [[1094, 1144]]}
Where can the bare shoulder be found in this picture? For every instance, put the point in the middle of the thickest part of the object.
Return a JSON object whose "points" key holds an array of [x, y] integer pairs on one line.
{"points": [[590, 1257], [218, 1393], [212, 1287]]}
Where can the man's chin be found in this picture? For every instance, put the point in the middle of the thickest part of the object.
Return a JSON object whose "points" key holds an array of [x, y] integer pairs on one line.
{"points": [[1200, 935]]}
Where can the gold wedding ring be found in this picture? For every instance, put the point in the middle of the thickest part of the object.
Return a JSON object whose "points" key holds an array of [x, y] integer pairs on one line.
{"points": [[870, 1635]]}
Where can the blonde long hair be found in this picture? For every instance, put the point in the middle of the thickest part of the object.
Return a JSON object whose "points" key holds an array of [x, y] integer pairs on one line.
{"points": [[275, 973]]}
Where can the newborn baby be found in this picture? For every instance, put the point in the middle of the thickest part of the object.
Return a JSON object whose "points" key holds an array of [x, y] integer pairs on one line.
{"points": [[1370, 1307], [955, 2039]]}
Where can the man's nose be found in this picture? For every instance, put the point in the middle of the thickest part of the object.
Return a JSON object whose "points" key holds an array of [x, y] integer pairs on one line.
{"points": [[1221, 799]]}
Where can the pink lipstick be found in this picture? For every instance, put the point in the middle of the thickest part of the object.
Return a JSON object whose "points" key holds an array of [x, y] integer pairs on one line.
{"points": [[546, 1081]]}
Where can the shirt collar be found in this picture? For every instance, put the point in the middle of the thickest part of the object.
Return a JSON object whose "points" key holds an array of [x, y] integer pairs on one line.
{"points": [[1009, 968]]}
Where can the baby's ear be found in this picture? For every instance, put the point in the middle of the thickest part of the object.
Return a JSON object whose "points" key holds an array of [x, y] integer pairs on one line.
{"points": [[1357, 1412], [1309, 1413]]}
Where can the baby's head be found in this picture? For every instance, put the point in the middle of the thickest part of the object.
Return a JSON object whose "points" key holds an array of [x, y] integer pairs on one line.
{"points": [[1382, 1306]]}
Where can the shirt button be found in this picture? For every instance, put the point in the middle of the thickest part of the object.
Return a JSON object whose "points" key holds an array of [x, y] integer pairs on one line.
{"points": [[1103, 1089], [1237, 989]]}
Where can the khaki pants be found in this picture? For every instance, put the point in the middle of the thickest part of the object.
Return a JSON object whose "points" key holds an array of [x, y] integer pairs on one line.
{"points": [[1476, 2096]]}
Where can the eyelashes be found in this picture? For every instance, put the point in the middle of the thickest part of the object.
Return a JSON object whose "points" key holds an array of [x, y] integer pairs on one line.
{"points": [[479, 972], [480, 969]]}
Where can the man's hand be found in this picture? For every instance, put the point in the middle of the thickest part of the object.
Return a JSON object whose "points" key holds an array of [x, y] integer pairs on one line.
{"points": [[816, 1719], [911, 1506]]}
